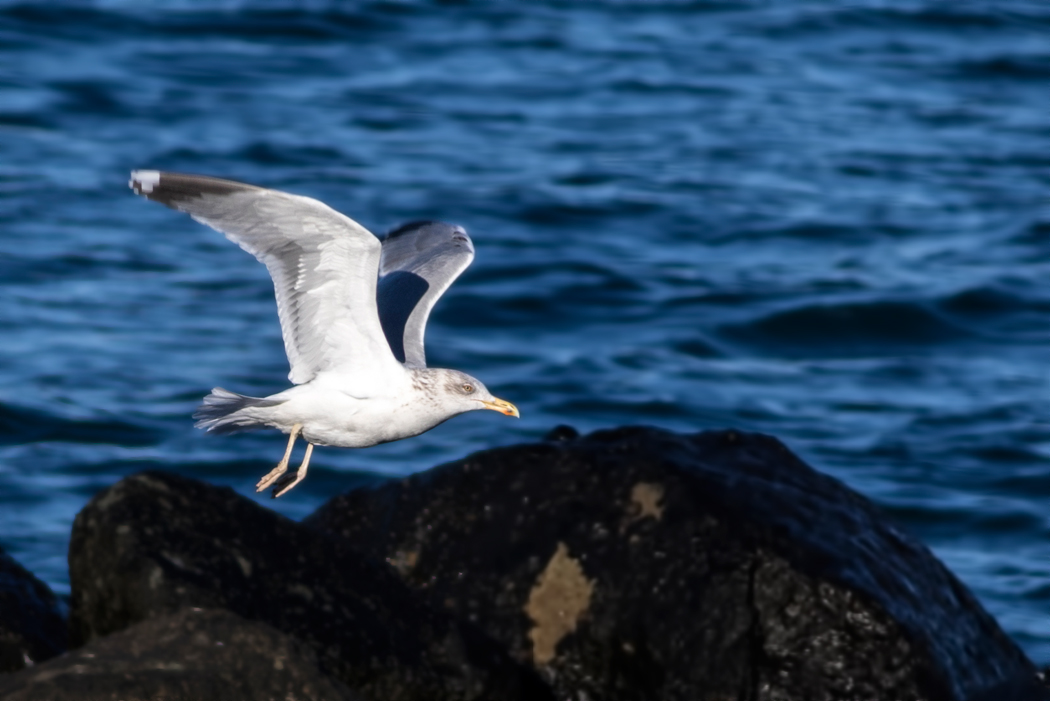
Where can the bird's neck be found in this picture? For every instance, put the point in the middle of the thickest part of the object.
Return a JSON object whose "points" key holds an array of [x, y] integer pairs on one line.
{"points": [[423, 379]]}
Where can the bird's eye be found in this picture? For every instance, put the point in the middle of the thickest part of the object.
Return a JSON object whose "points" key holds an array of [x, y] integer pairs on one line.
{"points": [[468, 388]]}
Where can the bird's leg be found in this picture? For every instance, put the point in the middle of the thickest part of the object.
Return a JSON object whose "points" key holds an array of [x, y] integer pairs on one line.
{"points": [[298, 476], [282, 466]]}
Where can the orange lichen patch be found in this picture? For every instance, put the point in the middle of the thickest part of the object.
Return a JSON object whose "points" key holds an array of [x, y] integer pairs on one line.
{"points": [[646, 496], [404, 561], [558, 600], [646, 501]]}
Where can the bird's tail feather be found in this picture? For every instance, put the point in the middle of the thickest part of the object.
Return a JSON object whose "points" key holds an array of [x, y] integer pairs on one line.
{"points": [[221, 412]]}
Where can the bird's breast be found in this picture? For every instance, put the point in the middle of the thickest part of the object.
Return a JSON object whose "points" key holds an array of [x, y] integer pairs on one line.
{"points": [[350, 422]]}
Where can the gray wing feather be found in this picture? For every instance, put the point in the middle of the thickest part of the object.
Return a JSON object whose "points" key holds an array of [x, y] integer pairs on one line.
{"points": [[420, 261], [323, 264]]}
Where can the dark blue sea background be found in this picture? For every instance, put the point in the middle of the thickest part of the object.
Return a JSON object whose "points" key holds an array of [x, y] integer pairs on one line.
{"points": [[826, 221]]}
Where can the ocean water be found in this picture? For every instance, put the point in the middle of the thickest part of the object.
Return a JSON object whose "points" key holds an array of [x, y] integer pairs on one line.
{"points": [[827, 221]]}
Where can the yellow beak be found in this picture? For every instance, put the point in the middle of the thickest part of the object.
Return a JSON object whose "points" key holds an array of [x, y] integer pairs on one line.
{"points": [[502, 407]]}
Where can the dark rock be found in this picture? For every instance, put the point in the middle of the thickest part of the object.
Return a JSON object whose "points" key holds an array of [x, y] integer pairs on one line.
{"points": [[562, 432], [195, 655], [155, 543], [637, 563], [32, 625]]}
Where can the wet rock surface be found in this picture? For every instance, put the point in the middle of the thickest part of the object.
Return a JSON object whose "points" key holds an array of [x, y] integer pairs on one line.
{"points": [[637, 563], [627, 564], [195, 655], [156, 543], [32, 625]]}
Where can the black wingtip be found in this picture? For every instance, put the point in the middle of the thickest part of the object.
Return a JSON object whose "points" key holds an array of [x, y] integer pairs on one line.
{"points": [[171, 188]]}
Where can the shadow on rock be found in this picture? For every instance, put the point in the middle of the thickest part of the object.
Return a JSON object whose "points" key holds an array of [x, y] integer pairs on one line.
{"points": [[32, 625], [189, 656]]}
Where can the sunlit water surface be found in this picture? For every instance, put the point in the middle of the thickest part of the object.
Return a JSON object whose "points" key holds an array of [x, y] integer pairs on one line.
{"points": [[824, 221]]}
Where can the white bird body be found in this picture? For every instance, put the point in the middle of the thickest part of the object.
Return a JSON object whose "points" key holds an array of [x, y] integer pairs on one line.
{"points": [[353, 313], [332, 416]]}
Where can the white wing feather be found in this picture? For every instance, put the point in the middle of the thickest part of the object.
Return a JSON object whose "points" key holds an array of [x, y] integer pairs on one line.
{"points": [[324, 267], [420, 262]]}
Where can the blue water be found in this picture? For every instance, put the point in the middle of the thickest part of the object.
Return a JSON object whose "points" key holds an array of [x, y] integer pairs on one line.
{"points": [[825, 221]]}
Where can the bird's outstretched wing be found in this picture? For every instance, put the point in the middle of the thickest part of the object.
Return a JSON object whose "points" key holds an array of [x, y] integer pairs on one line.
{"points": [[324, 267], [420, 261]]}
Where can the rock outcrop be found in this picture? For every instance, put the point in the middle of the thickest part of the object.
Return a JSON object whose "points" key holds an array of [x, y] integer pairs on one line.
{"points": [[194, 655], [624, 565], [637, 563], [32, 625], [157, 543]]}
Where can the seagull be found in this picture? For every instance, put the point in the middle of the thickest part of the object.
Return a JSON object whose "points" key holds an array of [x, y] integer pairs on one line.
{"points": [[353, 312]]}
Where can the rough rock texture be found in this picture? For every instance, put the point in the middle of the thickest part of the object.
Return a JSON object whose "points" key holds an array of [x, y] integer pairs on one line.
{"points": [[32, 627], [637, 563], [196, 655], [155, 543]]}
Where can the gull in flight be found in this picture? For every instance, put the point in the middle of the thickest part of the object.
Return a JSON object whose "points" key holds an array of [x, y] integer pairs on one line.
{"points": [[353, 312]]}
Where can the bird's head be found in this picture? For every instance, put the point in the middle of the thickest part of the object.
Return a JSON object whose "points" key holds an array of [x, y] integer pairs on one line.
{"points": [[467, 393]]}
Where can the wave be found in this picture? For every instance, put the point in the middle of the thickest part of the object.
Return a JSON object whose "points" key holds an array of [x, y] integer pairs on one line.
{"points": [[1023, 67], [930, 16], [990, 313], [26, 270], [263, 153], [21, 425], [849, 329]]}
